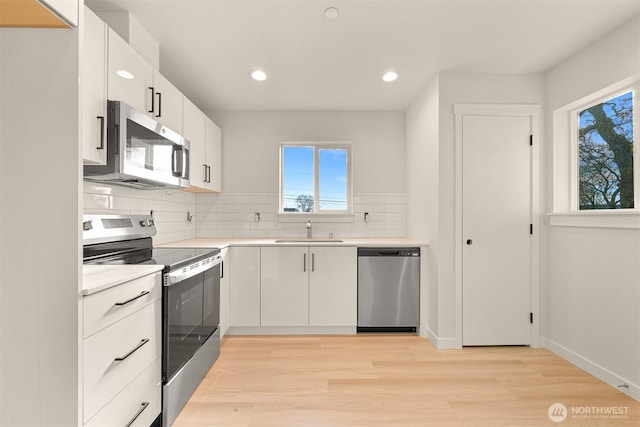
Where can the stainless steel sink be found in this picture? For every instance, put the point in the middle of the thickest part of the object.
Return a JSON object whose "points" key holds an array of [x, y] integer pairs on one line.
{"points": [[309, 241]]}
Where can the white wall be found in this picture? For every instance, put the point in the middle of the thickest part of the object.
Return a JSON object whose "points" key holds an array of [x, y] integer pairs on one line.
{"points": [[593, 280], [422, 182], [251, 142], [467, 89], [430, 136], [40, 266]]}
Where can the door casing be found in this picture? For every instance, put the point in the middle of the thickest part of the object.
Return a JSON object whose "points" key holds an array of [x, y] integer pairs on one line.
{"points": [[507, 110]]}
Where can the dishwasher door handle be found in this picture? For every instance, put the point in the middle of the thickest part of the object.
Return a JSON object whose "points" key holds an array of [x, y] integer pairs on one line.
{"points": [[396, 253]]}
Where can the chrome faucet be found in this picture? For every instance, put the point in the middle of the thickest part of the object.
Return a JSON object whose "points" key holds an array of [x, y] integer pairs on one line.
{"points": [[309, 230]]}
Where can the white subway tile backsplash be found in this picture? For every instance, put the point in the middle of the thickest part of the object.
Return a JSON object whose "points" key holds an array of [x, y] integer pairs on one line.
{"points": [[169, 207], [233, 215]]}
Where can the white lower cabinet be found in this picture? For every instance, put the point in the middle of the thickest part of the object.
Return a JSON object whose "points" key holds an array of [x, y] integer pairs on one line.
{"points": [[308, 286], [139, 402], [244, 288], [224, 291], [284, 286], [333, 286], [122, 353]]}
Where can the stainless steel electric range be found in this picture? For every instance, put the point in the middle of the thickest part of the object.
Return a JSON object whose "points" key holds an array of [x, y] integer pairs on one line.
{"points": [[190, 298]]}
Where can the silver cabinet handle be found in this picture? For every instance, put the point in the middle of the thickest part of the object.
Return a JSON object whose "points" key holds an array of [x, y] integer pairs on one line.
{"points": [[304, 262], [143, 406], [143, 293], [313, 262], [142, 342]]}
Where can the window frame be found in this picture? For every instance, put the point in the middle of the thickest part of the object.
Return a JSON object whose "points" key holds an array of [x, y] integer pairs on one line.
{"points": [[317, 146], [589, 102]]}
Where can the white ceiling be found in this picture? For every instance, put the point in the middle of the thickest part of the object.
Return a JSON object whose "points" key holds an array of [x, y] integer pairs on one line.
{"points": [[208, 47]]}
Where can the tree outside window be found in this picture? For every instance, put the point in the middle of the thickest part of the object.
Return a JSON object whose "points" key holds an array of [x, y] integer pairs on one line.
{"points": [[605, 155]]}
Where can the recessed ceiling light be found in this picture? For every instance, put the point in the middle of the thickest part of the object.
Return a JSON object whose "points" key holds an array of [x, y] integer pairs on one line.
{"points": [[258, 75], [125, 74], [331, 12], [389, 76]]}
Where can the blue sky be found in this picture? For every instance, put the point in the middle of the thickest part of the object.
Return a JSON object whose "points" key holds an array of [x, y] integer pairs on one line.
{"points": [[298, 176]]}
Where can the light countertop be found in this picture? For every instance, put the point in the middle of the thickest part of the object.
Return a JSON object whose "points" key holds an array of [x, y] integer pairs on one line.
{"points": [[99, 277], [292, 241]]}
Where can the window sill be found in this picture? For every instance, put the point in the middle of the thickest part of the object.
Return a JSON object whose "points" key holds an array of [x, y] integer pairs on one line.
{"points": [[317, 217], [617, 219]]}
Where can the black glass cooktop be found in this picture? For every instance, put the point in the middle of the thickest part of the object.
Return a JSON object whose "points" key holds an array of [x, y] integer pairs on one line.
{"points": [[140, 252], [177, 257]]}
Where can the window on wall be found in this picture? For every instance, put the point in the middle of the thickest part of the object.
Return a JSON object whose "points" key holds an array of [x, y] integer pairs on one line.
{"points": [[607, 171], [315, 178]]}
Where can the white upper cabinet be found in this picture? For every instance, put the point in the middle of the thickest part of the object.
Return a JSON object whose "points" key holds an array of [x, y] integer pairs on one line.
{"points": [[205, 137], [167, 103], [133, 80], [194, 127], [214, 156], [129, 76], [94, 89]]}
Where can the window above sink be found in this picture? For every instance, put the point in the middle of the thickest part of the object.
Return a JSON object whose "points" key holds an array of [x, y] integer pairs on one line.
{"points": [[315, 178]]}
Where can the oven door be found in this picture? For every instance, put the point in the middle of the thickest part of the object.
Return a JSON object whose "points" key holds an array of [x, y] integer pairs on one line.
{"points": [[191, 314]]}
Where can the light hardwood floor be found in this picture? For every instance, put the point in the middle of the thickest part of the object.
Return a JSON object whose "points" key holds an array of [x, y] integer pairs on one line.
{"points": [[393, 380]]}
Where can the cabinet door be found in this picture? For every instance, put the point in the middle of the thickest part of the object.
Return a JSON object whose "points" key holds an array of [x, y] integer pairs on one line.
{"points": [[142, 397], [167, 103], [94, 89], [333, 292], [135, 88], [284, 286], [224, 292], [194, 130], [115, 355], [244, 289], [214, 156]]}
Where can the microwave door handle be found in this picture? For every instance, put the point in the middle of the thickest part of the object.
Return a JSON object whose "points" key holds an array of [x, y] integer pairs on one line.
{"points": [[177, 161], [185, 162]]}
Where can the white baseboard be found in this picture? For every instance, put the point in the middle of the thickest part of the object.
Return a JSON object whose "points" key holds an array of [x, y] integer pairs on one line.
{"points": [[440, 343], [291, 330], [594, 369]]}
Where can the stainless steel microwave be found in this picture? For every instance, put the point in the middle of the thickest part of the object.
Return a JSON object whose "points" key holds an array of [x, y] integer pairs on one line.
{"points": [[141, 152]]}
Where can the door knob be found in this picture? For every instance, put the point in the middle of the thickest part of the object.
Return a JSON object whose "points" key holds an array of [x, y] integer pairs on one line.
{"points": [[469, 242]]}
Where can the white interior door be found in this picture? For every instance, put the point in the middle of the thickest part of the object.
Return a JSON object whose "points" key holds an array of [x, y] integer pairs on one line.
{"points": [[496, 216]]}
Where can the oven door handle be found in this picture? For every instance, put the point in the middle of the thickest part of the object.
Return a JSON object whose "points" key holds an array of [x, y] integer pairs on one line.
{"points": [[184, 273]]}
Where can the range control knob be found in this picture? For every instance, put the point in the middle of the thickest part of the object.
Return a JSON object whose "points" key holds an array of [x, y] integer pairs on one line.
{"points": [[144, 223]]}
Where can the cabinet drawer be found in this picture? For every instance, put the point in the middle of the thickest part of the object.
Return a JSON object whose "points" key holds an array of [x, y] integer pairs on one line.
{"points": [[104, 376], [107, 307], [146, 388]]}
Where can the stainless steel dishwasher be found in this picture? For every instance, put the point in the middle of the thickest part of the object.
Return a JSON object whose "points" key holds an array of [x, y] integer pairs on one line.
{"points": [[388, 289]]}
